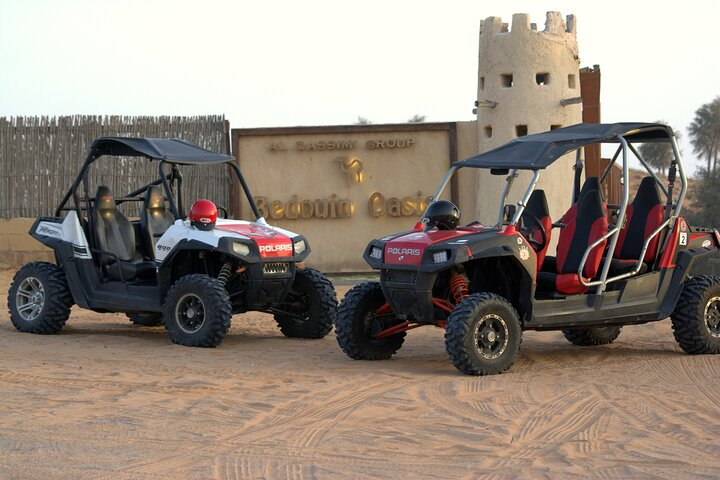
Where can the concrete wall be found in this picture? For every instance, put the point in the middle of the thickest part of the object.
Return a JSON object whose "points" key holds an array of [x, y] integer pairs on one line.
{"points": [[17, 247]]}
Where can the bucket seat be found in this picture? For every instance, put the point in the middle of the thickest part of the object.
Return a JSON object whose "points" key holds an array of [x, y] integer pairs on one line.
{"points": [[536, 214], [115, 239], [154, 218], [587, 225], [643, 216], [591, 183]]}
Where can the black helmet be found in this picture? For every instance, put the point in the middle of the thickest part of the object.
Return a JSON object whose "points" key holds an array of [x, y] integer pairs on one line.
{"points": [[442, 214]]}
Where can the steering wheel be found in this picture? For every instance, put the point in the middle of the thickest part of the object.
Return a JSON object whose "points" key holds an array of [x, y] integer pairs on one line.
{"points": [[528, 231], [222, 210]]}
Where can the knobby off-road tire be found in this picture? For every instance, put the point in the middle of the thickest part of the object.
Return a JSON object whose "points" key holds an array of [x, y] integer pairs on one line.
{"points": [[197, 311], [39, 298], [146, 319], [695, 320], [483, 335], [589, 336], [309, 309], [357, 322]]}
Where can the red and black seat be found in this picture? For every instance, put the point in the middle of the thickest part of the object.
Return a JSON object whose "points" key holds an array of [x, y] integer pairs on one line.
{"points": [[587, 225], [643, 216], [591, 184], [536, 224], [115, 239]]}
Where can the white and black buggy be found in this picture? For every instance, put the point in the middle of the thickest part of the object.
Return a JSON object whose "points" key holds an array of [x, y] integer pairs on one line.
{"points": [[190, 272]]}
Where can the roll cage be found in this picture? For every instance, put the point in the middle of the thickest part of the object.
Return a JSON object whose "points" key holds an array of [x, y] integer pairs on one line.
{"points": [[170, 153], [536, 152]]}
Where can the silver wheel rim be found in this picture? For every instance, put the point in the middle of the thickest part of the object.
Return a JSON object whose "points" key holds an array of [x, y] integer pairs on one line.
{"points": [[30, 299], [190, 313], [712, 316], [491, 336]]}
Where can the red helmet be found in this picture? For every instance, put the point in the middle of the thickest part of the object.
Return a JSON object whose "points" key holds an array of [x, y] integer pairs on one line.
{"points": [[203, 215]]}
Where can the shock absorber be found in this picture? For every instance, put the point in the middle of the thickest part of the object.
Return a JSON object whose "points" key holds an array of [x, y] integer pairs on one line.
{"points": [[459, 286], [224, 274]]}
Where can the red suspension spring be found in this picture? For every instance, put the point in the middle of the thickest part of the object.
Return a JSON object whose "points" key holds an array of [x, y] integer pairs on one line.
{"points": [[459, 287]]}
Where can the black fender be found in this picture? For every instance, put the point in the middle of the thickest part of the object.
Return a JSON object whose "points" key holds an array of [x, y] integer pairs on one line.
{"points": [[690, 263], [701, 261], [165, 269], [528, 266], [501, 266]]}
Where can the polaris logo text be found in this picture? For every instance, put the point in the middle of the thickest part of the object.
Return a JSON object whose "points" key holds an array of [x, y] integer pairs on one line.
{"points": [[275, 248], [403, 251], [49, 231]]}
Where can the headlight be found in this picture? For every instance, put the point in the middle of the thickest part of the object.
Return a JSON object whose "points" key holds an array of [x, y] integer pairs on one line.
{"points": [[241, 249], [440, 257], [376, 253], [299, 247]]}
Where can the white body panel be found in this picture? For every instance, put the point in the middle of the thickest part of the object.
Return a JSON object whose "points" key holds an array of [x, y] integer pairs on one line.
{"points": [[69, 231], [182, 230]]}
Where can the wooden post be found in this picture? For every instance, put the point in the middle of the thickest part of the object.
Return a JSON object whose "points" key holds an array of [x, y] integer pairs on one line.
{"points": [[595, 165], [590, 91], [235, 203]]}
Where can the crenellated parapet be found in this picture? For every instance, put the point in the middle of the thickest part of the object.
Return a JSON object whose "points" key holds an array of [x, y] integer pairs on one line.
{"points": [[554, 25]]}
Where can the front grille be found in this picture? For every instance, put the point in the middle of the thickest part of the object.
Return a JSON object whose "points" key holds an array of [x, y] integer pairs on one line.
{"points": [[275, 268], [401, 276]]}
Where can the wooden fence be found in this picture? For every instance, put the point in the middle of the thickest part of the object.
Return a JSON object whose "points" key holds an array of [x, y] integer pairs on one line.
{"points": [[41, 156]]}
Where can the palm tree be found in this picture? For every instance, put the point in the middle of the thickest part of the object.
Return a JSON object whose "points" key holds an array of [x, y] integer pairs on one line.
{"points": [[658, 154], [706, 199], [704, 133]]}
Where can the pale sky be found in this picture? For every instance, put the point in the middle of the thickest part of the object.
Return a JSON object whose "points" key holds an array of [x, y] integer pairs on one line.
{"points": [[316, 62]]}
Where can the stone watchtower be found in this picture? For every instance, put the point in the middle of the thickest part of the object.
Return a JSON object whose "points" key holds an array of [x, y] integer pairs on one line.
{"points": [[528, 82]]}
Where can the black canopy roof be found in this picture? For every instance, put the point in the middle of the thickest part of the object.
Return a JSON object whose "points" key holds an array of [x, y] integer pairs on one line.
{"points": [[537, 151], [172, 150]]}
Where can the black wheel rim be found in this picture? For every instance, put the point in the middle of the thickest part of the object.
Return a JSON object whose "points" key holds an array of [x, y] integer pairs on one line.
{"points": [[712, 316], [491, 336], [190, 313], [30, 298]]}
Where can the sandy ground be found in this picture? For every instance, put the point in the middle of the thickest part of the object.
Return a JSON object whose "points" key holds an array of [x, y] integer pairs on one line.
{"points": [[105, 399]]}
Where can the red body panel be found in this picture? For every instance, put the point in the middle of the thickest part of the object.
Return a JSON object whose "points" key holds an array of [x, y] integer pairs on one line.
{"points": [[702, 239], [270, 242], [408, 249], [668, 258]]}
